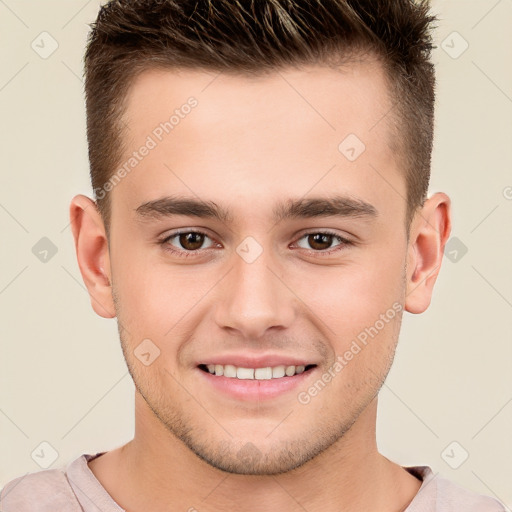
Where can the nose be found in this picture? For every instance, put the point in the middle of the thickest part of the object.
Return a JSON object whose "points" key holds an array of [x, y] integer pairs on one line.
{"points": [[254, 297]]}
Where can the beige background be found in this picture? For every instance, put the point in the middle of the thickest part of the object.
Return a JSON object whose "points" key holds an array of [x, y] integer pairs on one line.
{"points": [[63, 380]]}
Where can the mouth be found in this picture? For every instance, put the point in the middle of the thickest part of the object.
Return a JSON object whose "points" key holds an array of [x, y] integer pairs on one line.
{"points": [[257, 384], [266, 373]]}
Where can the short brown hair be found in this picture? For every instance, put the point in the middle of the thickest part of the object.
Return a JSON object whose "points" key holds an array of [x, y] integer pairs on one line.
{"points": [[259, 36]]}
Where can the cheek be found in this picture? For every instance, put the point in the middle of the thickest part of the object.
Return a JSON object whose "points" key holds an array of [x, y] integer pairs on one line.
{"points": [[363, 356], [158, 300], [142, 295], [349, 299]]}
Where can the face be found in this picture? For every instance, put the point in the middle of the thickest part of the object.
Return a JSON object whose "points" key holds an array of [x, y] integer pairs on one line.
{"points": [[253, 234]]}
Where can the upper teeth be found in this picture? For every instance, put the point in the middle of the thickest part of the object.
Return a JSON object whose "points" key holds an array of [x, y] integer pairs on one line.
{"points": [[267, 373]]}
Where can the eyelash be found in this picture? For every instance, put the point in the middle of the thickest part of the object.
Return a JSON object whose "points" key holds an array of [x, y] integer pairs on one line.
{"points": [[187, 254]]}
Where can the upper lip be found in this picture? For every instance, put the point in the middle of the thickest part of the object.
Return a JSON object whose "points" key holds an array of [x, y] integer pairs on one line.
{"points": [[263, 361]]}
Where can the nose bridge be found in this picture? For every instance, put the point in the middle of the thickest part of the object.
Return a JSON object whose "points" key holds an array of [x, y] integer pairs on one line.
{"points": [[253, 298]]}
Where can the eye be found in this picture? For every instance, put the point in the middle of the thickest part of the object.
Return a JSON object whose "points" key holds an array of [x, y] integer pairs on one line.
{"points": [[322, 241], [184, 242], [191, 243]]}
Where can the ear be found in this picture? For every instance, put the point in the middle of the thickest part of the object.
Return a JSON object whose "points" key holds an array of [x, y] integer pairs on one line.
{"points": [[91, 247], [429, 232]]}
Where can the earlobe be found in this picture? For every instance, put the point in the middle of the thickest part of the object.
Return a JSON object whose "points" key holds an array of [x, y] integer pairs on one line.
{"points": [[429, 233], [92, 253]]}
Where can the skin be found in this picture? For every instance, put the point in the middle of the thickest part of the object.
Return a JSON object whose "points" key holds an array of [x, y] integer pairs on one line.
{"points": [[249, 144]]}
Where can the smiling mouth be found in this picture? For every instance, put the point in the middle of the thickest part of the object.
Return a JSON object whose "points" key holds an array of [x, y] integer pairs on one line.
{"points": [[267, 373]]}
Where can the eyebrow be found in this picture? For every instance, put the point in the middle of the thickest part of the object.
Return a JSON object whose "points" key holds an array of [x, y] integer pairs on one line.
{"points": [[332, 206]]}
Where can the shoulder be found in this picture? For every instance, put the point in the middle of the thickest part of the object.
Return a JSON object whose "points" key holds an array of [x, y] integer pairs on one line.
{"points": [[41, 491], [439, 494], [454, 497]]}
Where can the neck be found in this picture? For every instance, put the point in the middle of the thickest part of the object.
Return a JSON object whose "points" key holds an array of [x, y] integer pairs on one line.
{"points": [[155, 469]]}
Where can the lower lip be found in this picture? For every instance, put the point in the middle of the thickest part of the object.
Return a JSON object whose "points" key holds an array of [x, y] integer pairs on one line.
{"points": [[252, 389]]}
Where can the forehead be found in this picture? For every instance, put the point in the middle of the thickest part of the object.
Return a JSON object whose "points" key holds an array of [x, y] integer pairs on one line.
{"points": [[340, 98], [241, 136]]}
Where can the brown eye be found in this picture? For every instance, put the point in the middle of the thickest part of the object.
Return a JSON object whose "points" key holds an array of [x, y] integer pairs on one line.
{"points": [[187, 241], [320, 241], [191, 241]]}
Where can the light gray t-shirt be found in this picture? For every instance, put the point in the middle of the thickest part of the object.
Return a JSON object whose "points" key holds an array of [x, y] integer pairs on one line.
{"points": [[74, 488]]}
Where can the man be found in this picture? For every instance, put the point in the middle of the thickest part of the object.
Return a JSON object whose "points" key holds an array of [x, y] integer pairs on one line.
{"points": [[261, 223]]}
